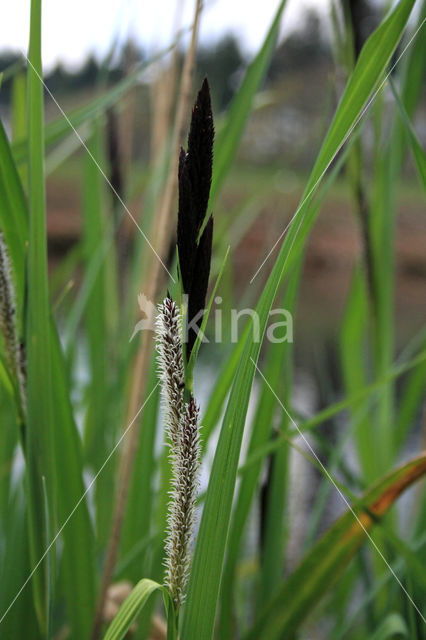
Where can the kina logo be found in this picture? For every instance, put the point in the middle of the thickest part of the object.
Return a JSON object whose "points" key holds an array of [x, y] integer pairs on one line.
{"points": [[149, 310]]}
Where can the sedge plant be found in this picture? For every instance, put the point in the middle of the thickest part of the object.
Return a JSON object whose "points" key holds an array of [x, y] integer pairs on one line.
{"points": [[222, 557]]}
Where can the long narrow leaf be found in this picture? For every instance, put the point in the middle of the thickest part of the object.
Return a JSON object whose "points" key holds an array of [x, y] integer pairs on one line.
{"points": [[40, 429], [324, 563], [206, 573], [131, 608]]}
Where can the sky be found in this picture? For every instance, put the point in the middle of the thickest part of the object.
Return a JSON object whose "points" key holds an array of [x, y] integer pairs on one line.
{"points": [[72, 30]]}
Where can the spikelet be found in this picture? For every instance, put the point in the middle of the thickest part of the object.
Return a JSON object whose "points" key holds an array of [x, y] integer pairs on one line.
{"points": [[14, 350], [182, 504], [171, 369], [182, 429]]}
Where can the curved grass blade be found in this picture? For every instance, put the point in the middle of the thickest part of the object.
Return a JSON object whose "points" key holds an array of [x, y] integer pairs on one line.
{"points": [[351, 620], [277, 362], [13, 215], [325, 562], [416, 148], [393, 625], [204, 583], [131, 608], [418, 364]]}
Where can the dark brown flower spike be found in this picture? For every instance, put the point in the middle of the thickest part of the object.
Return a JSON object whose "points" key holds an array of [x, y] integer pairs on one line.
{"points": [[195, 175]]}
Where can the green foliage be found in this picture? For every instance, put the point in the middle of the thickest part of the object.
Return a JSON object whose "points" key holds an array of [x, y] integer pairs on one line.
{"points": [[131, 608], [59, 461]]}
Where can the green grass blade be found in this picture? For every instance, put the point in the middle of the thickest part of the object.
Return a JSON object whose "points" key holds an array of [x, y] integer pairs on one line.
{"points": [[274, 526], [410, 86], [352, 355], [411, 400], [19, 100], [277, 359], [13, 215], [360, 396], [131, 608], [204, 583], [351, 620], [221, 389], [52, 434], [98, 423], [382, 221], [93, 234], [140, 505], [8, 440], [393, 625], [40, 429], [20, 621], [416, 148], [19, 114], [325, 562], [77, 556], [372, 61]]}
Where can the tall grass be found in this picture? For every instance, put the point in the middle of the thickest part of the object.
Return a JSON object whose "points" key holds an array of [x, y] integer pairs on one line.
{"points": [[85, 508]]}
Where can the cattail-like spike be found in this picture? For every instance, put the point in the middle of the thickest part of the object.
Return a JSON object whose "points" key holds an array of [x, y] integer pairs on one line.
{"points": [[14, 350], [182, 429], [194, 177]]}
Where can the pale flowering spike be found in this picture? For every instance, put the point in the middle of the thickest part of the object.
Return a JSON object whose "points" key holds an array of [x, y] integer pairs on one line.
{"points": [[182, 504], [14, 351], [171, 369], [182, 428]]}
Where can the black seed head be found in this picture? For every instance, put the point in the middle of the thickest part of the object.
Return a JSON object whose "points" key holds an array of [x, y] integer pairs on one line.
{"points": [[194, 176]]}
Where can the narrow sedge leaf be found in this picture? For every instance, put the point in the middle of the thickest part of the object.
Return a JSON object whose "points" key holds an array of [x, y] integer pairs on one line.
{"points": [[97, 432], [276, 361], [418, 378], [21, 620], [325, 562], [13, 215], [392, 626], [225, 378], [131, 608], [77, 558], [136, 541], [204, 583], [40, 432], [416, 148], [371, 63]]}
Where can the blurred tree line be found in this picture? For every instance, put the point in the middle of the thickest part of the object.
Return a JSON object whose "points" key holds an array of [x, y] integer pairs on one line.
{"points": [[222, 61]]}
